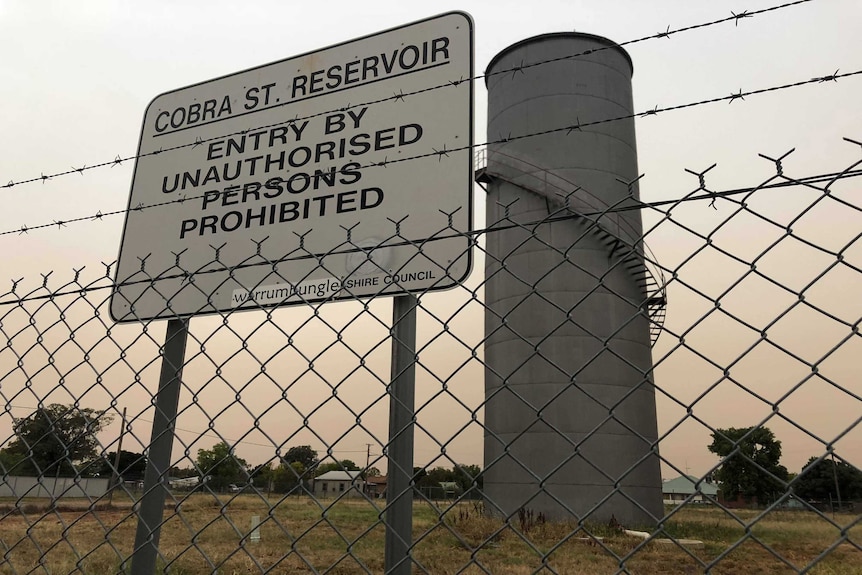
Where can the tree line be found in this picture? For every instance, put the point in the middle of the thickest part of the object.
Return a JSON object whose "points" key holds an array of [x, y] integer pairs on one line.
{"points": [[750, 470], [61, 441]]}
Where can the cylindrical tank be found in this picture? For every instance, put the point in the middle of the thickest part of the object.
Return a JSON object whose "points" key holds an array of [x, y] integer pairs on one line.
{"points": [[570, 418]]}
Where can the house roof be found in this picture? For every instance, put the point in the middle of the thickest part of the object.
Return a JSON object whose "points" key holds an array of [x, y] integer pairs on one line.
{"points": [[685, 484], [339, 476], [377, 480]]}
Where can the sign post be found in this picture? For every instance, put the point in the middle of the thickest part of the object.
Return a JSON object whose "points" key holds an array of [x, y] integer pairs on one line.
{"points": [[151, 507], [402, 395]]}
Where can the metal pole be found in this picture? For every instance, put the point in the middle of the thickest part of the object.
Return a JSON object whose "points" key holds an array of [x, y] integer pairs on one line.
{"points": [[835, 477], [115, 472], [56, 481], [152, 504], [399, 488]]}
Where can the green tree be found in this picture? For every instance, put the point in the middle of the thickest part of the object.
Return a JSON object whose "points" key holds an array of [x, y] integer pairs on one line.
{"points": [[221, 467], [131, 466], [55, 438], [436, 476], [419, 474], [343, 465], [817, 479], [288, 478], [10, 463], [303, 454], [372, 472], [465, 475], [261, 476], [183, 472], [750, 463]]}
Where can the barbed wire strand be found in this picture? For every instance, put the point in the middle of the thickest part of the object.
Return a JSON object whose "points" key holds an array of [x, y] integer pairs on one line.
{"points": [[444, 152], [401, 95]]}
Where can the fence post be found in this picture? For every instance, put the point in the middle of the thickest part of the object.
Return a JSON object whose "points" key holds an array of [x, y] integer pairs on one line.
{"points": [[399, 488], [116, 478], [151, 506]]}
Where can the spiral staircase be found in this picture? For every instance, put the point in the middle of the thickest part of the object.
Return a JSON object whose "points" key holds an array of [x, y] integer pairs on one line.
{"points": [[622, 240]]}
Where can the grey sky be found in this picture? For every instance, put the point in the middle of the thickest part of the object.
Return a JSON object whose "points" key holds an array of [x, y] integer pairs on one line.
{"points": [[76, 77]]}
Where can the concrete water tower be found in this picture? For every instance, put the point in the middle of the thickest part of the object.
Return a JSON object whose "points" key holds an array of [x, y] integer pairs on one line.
{"points": [[572, 307]]}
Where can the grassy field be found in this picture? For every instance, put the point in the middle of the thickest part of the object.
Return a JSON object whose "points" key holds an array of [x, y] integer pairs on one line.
{"points": [[204, 534]]}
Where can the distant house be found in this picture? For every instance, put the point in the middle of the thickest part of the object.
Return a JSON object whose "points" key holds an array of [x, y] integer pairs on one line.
{"points": [[376, 486], [686, 487], [336, 483]]}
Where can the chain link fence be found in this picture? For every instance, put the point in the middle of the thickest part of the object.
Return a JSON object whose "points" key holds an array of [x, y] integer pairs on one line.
{"points": [[280, 441]]}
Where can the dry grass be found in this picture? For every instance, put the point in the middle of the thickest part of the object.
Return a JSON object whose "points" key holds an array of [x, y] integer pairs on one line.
{"points": [[204, 534]]}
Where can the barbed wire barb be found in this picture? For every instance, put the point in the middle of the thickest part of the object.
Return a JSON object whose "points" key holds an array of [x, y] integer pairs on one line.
{"points": [[740, 16], [779, 170]]}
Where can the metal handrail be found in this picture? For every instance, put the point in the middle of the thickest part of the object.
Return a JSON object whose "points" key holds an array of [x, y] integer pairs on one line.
{"points": [[655, 282]]}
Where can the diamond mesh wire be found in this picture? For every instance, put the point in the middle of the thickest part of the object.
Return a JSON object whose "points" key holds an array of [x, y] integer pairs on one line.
{"points": [[751, 301]]}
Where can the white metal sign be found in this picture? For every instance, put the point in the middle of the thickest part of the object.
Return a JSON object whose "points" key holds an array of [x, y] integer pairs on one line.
{"points": [[337, 174]]}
